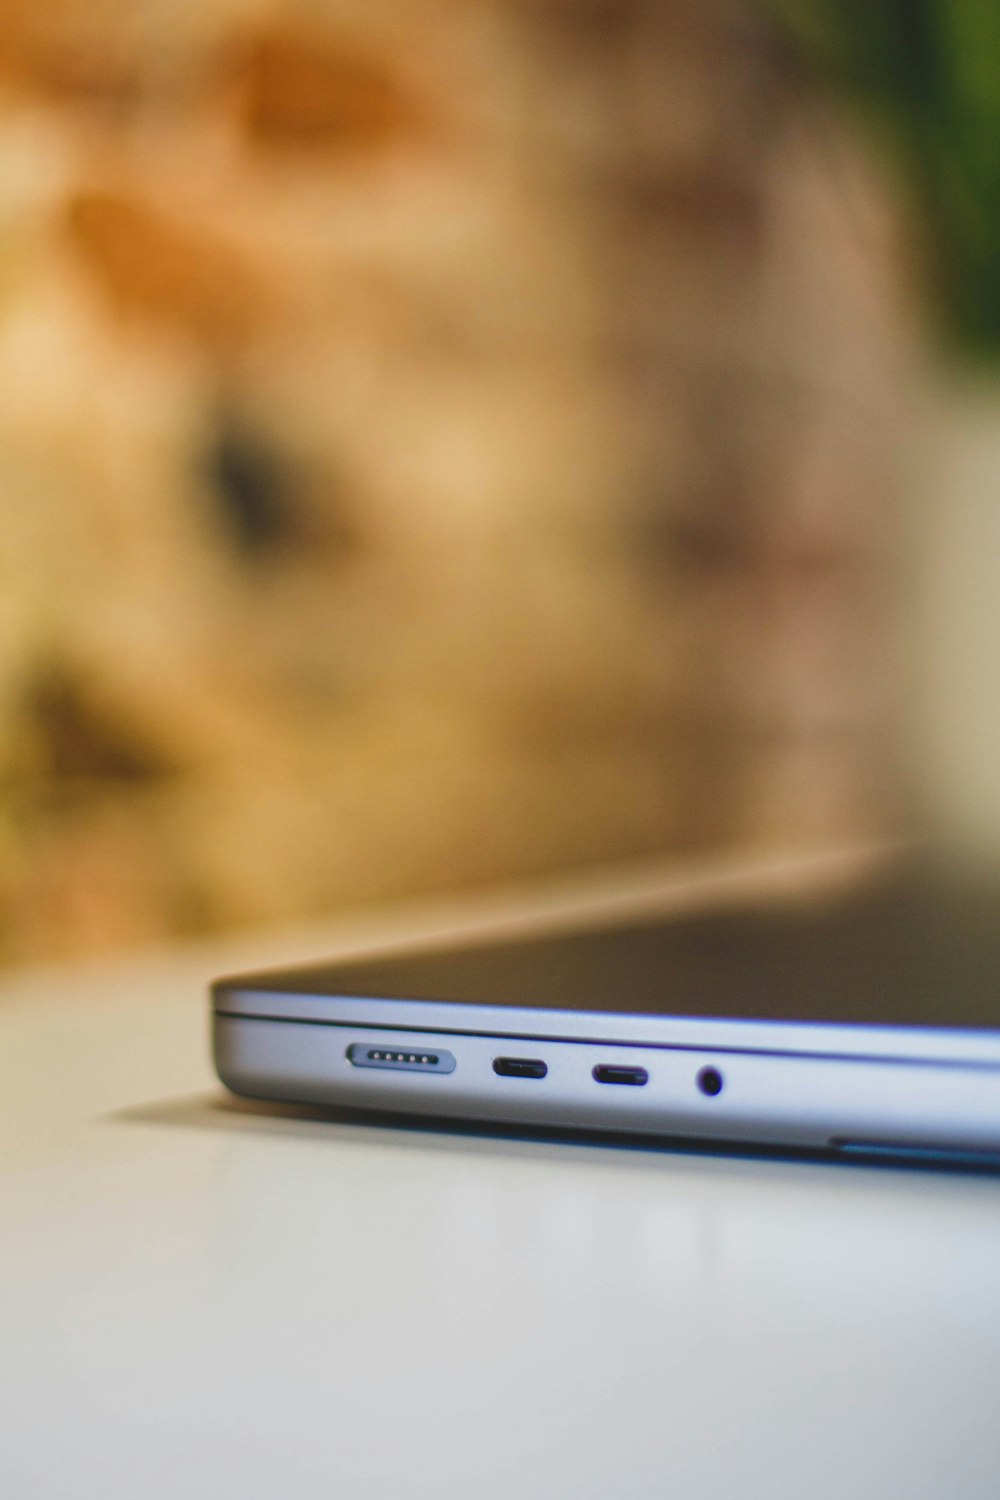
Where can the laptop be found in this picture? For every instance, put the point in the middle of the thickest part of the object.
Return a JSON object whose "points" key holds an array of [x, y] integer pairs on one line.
{"points": [[861, 1017]]}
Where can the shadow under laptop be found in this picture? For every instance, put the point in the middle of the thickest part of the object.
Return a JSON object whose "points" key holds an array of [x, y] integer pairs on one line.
{"points": [[218, 1111]]}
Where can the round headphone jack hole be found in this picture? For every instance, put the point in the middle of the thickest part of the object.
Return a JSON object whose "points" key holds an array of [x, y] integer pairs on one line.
{"points": [[710, 1081]]}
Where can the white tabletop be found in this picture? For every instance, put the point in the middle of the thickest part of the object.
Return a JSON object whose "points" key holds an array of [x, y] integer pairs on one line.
{"points": [[205, 1299]]}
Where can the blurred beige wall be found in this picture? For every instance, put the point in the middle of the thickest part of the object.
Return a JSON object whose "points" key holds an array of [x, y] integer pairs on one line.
{"points": [[437, 443]]}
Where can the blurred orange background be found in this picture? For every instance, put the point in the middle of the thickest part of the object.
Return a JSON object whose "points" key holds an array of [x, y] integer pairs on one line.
{"points": [[438, 444]]}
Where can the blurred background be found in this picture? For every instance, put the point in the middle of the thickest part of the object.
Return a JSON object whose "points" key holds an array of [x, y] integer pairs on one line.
{"points": [[443, 443]]}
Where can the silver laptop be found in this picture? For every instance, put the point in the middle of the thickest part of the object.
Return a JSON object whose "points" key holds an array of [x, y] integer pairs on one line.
{"points": [[866, 1022]]}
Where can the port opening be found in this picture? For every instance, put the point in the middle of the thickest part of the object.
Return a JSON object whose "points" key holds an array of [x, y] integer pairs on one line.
{"points": [[520, 1067], [407, 1059], [710, 1081], [620, 1073]]}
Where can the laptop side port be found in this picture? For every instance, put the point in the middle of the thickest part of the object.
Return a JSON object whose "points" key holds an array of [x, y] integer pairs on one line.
{"points": [[619, 1073], [405, 1059], [520, 1067]]}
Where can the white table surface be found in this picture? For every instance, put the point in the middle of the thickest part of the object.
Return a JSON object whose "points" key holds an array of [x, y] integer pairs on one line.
{"points": [[203, 1299]]}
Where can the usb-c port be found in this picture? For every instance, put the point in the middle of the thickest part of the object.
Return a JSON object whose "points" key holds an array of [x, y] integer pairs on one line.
{"points": [[619, 1073], [520, 1067]]}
